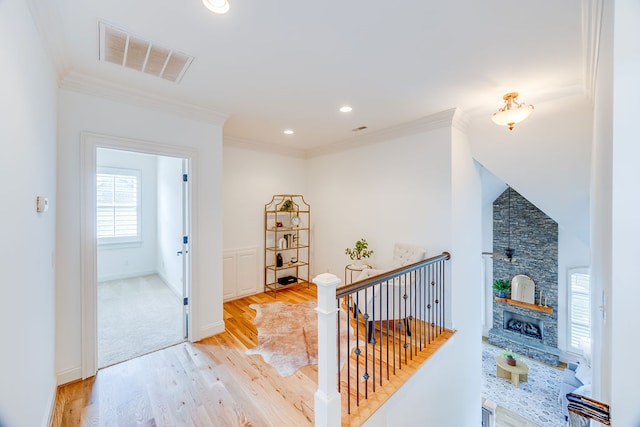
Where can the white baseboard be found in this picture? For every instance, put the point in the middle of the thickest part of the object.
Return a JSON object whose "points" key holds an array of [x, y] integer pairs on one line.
{"points": [[69, 375], [209, 330], [48, 415], [169, 285], [244, 296]]}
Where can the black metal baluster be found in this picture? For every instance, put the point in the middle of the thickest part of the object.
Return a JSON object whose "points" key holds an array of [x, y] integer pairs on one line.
{"points": [[373, 336], [431, 307], [387, 335], [358, 350], [444, 307], [339, 340], [366, 347], [421, 305], [393, 308]]}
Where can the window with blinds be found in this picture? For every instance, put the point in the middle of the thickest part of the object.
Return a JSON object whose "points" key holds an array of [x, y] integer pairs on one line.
{"points": [[117, 205], [579, 308]]}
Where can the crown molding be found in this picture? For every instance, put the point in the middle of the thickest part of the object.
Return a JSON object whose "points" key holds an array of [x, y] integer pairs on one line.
{"points": [[265, 147], [453, 117], [591, 27], [460, 121], [434, 121], [47, 21], [82, 83]]}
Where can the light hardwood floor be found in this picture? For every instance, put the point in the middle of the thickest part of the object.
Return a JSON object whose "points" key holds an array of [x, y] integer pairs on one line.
{"points": [[210, 383]]}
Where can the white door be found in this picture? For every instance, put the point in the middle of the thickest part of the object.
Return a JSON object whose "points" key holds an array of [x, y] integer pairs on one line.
{"points": [[185, 247]]}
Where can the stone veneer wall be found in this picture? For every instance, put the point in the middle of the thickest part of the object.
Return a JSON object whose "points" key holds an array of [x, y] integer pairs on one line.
{"points": [[534, 237]]}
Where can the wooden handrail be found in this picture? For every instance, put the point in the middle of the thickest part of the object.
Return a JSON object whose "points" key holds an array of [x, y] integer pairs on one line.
{"points": [[390, 274]]}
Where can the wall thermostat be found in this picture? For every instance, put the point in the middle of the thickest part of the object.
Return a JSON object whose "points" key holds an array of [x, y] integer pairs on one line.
{"points": [[42, 204]]}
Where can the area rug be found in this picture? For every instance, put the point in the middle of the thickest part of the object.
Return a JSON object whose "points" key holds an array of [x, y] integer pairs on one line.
{"points": [[535, 400], [288, 335]]}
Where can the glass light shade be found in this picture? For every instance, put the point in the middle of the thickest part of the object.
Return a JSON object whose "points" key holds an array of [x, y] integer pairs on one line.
{"points": [[512, 116], [217, 6]]}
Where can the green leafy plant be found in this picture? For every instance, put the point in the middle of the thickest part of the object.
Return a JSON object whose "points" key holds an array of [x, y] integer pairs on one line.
{"points": [[359, 251], [507, 352], [287, 205], [501, 285]]}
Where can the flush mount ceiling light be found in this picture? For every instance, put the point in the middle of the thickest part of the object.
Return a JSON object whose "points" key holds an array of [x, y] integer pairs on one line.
{"points": [[513, 111], [217, 6], [288, 132], [346, 109]]}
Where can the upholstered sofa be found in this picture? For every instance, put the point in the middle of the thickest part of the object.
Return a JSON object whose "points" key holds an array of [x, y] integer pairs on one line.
{"points": [[576, 379]]}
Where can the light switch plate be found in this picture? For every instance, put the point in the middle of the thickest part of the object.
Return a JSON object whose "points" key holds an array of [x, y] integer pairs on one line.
{"points": [[42, 204]]}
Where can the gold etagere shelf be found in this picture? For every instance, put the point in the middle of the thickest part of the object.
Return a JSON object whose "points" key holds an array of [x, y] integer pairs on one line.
{"points": [[287, 218]]}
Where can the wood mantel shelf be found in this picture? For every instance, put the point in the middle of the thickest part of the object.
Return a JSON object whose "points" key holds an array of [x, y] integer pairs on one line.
{"points": [[535, 307]]}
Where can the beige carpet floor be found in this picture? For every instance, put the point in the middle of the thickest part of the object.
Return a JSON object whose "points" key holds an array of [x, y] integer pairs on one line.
{"points": [[136, 316]]}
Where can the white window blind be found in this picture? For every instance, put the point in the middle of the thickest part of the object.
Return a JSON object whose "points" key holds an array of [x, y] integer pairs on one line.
{"points": [[117, 205], [579, 308]]}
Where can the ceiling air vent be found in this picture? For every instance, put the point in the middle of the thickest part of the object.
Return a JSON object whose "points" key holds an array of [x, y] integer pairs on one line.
{"points": [[122, 48]]}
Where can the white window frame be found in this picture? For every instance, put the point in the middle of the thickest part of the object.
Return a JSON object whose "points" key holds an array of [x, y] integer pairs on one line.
{"points": [[576, 348], [118, 240]]}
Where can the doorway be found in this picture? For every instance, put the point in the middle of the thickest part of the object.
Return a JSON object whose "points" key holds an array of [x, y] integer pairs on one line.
{"points": [[141, 277], [90, 143]]}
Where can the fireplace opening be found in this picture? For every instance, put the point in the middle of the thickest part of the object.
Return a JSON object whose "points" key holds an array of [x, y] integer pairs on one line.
{"points": [[525, 325]]}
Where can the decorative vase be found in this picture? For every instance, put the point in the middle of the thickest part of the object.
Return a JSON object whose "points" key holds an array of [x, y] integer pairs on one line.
{"points": [[511, 361], [282, 243], [357, 262], [502, 294]]}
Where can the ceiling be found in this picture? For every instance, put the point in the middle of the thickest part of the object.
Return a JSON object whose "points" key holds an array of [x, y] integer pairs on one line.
{"points": [[270, 66]]}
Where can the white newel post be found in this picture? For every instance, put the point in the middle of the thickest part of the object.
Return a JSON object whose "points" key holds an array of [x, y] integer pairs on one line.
{"points": [[327, 405]]}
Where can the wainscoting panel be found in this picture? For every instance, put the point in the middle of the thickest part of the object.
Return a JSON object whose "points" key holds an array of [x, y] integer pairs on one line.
{"points": [[229, 274], [247, 272], [240, 272]]}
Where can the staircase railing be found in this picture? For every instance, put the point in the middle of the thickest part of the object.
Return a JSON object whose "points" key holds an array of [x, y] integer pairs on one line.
{"points": [[382, 323]]}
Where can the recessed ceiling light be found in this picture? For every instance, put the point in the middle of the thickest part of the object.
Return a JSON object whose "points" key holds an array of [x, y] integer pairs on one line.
{"points": [[288, 132], [346, 109], [217, 6]]}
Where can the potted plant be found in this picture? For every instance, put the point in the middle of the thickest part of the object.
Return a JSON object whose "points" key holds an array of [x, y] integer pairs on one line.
{"points": [[287, 206], [502, 286], [359, 251], [510, 356]]}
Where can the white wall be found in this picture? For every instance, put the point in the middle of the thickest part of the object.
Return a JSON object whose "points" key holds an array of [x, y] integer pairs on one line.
{"points": [[27, 169], [492, 187], [618, 91], [393, 190], [251, 177], [601, 218], [466, 288], [118, 261], [169, 211], [79, 112], [434, 395], [572, 253]]}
